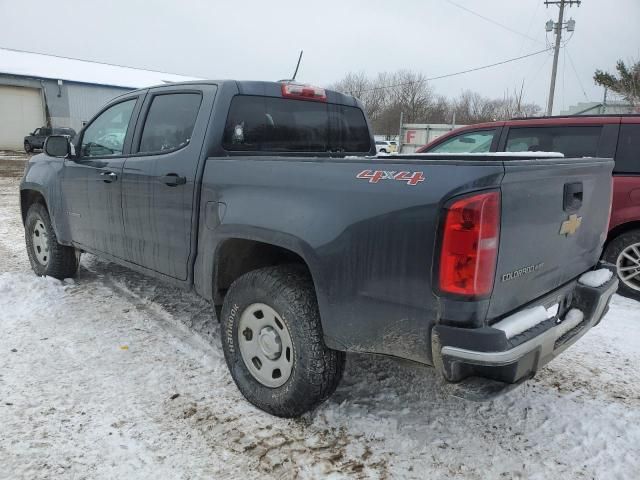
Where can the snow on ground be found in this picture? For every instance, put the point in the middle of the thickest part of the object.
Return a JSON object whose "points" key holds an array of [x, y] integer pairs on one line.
{"points": [[117, 375]]}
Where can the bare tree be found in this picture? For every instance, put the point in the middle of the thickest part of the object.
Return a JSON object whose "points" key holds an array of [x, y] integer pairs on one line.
{"points": [[412, 94], [471, 107], [388, 94]]}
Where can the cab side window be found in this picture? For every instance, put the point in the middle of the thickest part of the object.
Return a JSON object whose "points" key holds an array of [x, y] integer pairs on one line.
{"points": [[581, 141], [170, 122], [105, 136], [471, 142], [628, 153]]}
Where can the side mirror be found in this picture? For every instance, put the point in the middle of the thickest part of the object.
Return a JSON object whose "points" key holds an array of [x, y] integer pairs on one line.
{"points": [[57, 146]]}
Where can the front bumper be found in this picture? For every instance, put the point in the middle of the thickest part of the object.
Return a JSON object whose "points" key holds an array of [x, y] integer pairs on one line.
{"points": [[487, 352]]}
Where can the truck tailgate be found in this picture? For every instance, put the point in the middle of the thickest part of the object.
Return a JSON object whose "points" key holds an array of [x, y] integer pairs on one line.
{"points": [[555, 214]]}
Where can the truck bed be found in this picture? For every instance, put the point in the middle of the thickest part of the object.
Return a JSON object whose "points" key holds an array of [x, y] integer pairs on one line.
{"points": [[371, 241]]}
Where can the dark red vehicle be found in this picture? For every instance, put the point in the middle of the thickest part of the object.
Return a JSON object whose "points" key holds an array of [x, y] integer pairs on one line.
{"points": [[616, 136]]}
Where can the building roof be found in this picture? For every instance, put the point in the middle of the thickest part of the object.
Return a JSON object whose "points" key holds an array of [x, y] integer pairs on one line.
{"points": [[37, 65]]}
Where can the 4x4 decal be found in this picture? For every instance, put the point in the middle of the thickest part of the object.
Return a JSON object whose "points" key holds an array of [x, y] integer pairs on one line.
{"points": [[374, 176]]}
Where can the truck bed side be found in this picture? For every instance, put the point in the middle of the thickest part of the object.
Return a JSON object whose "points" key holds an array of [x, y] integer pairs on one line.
{"points": [[368, 246]]}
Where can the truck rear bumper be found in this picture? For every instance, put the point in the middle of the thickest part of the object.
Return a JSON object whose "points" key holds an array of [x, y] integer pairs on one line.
{"points": [[510, 360]]}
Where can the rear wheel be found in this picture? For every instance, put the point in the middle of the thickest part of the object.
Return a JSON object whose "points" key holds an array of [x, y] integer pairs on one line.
{"points": [[624, 252], [46, 255], [273, 342]]}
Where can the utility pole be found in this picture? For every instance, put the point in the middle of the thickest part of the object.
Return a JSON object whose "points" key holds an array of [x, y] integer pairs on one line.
{"points": [[557, 29], [604, 102], [400, 135]]}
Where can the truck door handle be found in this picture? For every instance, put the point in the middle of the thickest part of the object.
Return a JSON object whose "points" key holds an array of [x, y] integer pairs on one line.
{"points": [[173, 179], [108, 177], [572, 196]]}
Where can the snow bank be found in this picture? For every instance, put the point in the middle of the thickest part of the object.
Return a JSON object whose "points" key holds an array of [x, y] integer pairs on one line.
{"points": [[596, 278], [41, 291]]}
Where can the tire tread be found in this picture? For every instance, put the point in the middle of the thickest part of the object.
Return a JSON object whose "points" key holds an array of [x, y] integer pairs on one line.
{"points": [[63, 261], [322, 366]]}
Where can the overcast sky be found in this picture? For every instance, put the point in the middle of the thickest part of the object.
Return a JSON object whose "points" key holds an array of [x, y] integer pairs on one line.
{"points": [[260, 40]]}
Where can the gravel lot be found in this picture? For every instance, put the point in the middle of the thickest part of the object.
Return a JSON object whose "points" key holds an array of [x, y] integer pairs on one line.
{"points": [[116, 375]]}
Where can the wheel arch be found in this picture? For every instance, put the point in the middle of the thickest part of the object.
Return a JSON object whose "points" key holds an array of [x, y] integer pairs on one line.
{"points": [[619, 230], [28, 197], [235, 256]]}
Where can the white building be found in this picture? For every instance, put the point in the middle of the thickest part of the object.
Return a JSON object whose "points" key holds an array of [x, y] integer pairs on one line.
{"points": [[43, 90], [612, 107], [415, 135]]}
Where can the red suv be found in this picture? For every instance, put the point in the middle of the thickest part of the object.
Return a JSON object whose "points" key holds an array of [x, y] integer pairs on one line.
{"points": [[616, 136]]}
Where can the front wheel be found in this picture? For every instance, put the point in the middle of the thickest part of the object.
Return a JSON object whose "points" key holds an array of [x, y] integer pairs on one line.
{"points": [[27, 147], [46, 255], [624, 252], [273, 343]]}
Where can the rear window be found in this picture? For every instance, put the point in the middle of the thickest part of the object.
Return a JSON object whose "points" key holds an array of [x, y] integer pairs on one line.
{"points": [[275, 124], [628, 153], [571, 141]]}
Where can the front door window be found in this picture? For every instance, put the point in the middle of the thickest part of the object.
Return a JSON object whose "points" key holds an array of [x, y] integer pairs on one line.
{"points": [[105, 136]]}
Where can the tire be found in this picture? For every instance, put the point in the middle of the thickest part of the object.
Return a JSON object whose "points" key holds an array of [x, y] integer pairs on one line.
{"points": [[315, 370], [47, 256], [628, 243], [27, 147]]}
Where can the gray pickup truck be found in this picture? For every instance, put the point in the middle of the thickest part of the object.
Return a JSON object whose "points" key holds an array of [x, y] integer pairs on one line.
{"points": [[262, 198]]}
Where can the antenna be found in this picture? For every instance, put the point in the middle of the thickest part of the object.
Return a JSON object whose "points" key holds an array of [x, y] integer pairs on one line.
{"points": [[297, 66]]}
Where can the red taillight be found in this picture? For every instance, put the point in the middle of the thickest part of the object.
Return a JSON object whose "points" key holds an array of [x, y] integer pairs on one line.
{"points": [[303, 92], [470, 245]]}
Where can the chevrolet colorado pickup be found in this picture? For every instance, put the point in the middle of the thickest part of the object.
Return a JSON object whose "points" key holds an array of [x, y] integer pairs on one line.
{"points": [[262, 198]]}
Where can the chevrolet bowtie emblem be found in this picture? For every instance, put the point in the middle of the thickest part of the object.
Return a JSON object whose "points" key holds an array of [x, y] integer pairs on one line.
{"points": [[570, 226]]}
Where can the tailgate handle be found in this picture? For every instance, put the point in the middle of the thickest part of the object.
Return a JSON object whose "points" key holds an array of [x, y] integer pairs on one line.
{"points": [[572, 196]]}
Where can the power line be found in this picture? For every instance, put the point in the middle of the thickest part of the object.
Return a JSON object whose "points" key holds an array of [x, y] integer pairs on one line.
{"points": [[490, 20], [564, 67], [576, 73], [533, 17], [384, 87]]}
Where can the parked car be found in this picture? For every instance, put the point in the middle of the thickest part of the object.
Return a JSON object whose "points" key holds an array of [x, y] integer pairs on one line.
{"points": [[260, 197], [35, 140], [614, 136], [382, 146]]}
